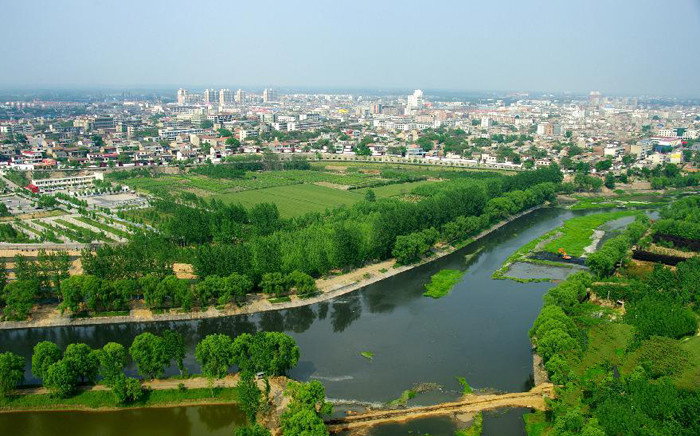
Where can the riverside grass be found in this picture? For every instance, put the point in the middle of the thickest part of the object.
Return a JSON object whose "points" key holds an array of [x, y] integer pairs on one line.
{"points": [[442, 283], [576, 232], [95, 400]]}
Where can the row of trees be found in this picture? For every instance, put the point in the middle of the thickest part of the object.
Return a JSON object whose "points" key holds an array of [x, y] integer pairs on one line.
{"points": [[615, 251], [62, 371], [411, 247]]}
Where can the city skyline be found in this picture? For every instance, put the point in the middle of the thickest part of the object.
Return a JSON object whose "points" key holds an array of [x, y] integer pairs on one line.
{"points": [[547, 47]]}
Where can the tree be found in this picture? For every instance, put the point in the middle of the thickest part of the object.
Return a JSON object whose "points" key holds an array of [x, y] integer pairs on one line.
{"points": [[175, 348], [233, 142], [11, 372], [249, 396], [150, 354], [265, 218], [603, 165], [278, 350], [126, 389], [60, 379], [270, 352], [610, 181], [83, 361], [19, 299], [215, 355], [303, 283], [273, 284], [113, 359], [307, 404], [304, 422], [370, 196], [234, 287], [555, 342], [44, 355]]}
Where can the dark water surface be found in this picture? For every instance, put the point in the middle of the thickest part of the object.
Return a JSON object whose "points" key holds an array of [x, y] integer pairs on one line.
{"points": [[478, 331]]}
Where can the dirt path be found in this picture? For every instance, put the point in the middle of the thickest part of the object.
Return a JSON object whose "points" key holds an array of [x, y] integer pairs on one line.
{"points": [[534, 399]]}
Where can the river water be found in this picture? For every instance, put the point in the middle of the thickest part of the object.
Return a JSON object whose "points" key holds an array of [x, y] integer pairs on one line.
{"points": [[478, 331]]}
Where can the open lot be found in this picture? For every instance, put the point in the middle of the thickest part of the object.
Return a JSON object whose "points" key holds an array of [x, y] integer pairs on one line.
{"points": [[116, 200], [17, 204]]}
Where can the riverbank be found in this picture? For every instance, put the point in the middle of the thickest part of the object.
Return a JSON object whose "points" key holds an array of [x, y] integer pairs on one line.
{"points": [[171, 392], [329, 288]]}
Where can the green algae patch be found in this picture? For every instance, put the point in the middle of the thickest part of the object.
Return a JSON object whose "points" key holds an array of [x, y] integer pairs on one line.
{"points": [[406, 395], [442, 283]]}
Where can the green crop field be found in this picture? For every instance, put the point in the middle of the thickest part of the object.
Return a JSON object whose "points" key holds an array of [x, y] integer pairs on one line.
{"points": [[396, 189], [295, 200]]}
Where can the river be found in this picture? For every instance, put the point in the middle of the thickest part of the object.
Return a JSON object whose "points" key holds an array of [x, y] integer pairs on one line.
{"points": [[478, 331]]}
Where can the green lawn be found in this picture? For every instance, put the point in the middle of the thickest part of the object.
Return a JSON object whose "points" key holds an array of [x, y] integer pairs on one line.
{"points": [[576, 233], [607, 342], [295, 200]]}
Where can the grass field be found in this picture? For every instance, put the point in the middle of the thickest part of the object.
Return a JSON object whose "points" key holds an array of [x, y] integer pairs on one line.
{"points": [[295, 200], [576, 232], [105, 399], [607, 342]]}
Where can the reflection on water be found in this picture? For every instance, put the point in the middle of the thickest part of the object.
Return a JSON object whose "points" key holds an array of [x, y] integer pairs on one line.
{"points": [[175, 421]]}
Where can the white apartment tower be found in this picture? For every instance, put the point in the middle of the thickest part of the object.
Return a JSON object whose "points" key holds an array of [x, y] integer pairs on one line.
{"points": [[182, 96], [210, 96], [415, 100], [240, 96], [269, 95], [225, 97]]}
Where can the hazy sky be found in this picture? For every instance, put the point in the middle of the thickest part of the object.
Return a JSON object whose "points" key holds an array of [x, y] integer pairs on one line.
{"points": [[615, 46]]}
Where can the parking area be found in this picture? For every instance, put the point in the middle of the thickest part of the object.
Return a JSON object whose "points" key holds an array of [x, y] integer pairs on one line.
{"points": [[17, 205]]}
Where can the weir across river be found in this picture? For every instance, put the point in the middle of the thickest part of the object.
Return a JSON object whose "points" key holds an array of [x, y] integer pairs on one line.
{"points": [[534, 398]]}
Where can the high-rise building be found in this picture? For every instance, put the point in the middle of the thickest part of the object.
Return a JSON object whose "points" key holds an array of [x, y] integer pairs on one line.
{"points": [[182, 96], [225, 97], [269, 95], [415, 100], [210, 96], [240, 96]]}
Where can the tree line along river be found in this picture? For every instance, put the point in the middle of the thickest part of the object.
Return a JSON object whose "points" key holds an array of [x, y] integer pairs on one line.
{"points": [[478, 331]]}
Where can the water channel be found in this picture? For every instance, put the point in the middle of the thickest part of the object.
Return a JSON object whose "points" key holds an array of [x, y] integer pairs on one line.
{"points": [[478, 331]]}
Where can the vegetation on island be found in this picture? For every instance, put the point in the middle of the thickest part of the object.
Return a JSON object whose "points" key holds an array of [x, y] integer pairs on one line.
{"points": [[442, 283]]}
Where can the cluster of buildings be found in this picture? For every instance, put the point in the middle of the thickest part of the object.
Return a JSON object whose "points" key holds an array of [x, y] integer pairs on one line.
{"points": [[514, 131]]}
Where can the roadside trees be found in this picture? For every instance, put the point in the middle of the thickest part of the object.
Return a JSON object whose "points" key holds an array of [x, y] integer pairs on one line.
{"points": [[215, 354], [113, 359], [150, 354], [44, 355], [82, 361], [11, 372], [60, 379]]}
